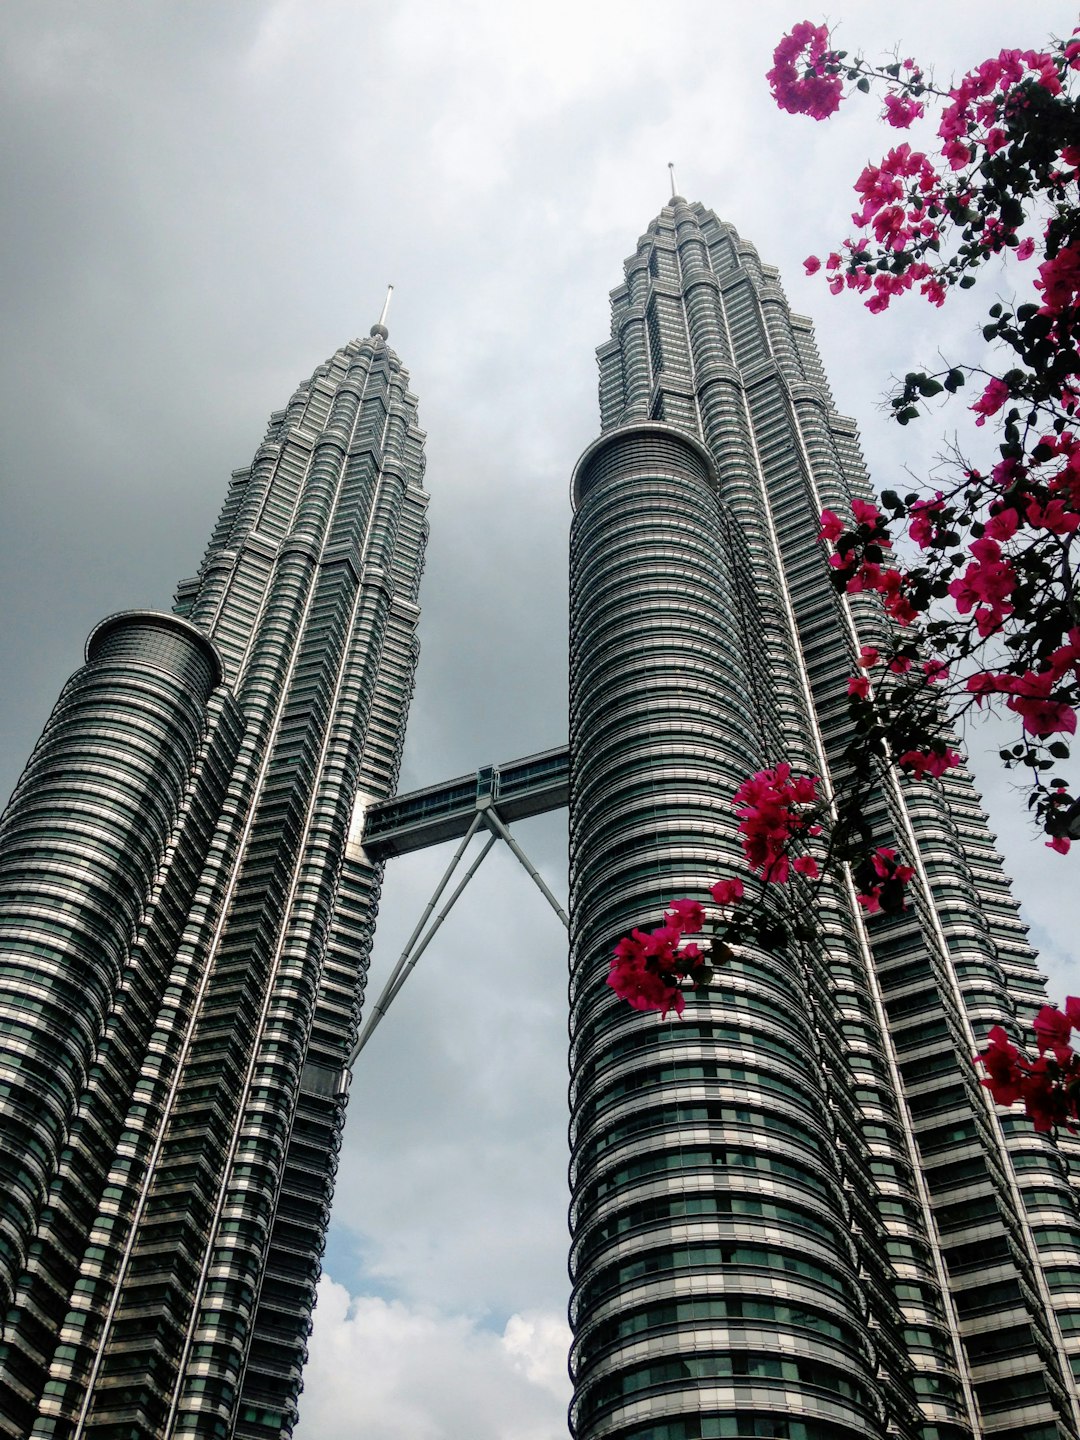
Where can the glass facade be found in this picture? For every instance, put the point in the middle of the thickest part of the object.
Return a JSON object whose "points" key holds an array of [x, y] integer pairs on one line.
{"points": [[185, 921], [794, 1211]]}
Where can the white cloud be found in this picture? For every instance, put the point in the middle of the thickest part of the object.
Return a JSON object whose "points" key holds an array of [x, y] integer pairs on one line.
{"points": [[390, 1372]]}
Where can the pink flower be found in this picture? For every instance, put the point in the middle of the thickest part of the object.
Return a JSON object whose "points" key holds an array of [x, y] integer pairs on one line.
{"points": [[813, 92], [990, 620], [1066, 657], [645, 989], [900, 608], [991, 400], [1059, 280], [1001, 1061], [771, 809], [727, 892], [886, 864], [859, 687], [868, 577], [686, 916], [1061, 843], [982, 686], [1003, 524], [901, 664], [928, 762], [936, 671], [868, 657], [901, 111], [866, 514], [806, 865], [956, 153], [922, 524], [832, 527], [1054, 516], [988, 578], [1033, 700], [1025, 249], [811, 265], [1052, 1031]]}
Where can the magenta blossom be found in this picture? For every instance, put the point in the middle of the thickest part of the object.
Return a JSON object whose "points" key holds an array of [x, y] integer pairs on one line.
{"points": [[727, 892], [991, 400], [807, 90], [900, 111]]}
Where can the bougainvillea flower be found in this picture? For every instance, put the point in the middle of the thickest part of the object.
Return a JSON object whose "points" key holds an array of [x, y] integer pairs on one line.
{"points": [[991, 400], [1001, 1061], [1032, 698], [900, 111], [686, 916], [807, 90], [1003, 524], [832, 527], [1052, 1030], [727, 892], [922, 520], [928, 762]]}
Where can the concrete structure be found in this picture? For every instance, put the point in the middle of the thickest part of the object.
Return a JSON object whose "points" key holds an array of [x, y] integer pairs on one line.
{"points": [[184, 939]]}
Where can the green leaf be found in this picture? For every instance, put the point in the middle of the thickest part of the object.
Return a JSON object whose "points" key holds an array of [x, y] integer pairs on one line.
{"points": [[864, 85], [928, 387]]}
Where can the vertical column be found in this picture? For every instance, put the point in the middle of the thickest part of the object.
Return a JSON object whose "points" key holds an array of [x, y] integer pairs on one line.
{"points": [[715, 1289]]}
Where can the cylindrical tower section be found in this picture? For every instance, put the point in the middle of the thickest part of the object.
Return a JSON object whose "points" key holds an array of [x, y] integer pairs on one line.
{"points": [[714, 1286], [80, 844]]}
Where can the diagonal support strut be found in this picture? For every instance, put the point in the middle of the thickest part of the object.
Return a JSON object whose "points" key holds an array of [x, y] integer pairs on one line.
{"points": [[486, 814]]}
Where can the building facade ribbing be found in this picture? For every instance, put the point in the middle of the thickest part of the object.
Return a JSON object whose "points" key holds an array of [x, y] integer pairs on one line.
{"points": [[185, 921], [794, 1211]]}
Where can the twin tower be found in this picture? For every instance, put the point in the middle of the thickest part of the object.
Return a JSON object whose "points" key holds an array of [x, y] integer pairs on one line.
{"points": [[794, 1212]]}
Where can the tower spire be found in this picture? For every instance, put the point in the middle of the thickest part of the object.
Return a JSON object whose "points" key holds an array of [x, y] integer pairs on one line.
{"points": [[671, 171], [379, 328]]}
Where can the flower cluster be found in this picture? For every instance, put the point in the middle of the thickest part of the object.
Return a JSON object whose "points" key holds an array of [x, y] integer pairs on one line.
{"points": [[913, 203], [1011, 580], [858, 559], [773, 807], [1049, 1085], [647, 970], [804, 77], [880, 881]]}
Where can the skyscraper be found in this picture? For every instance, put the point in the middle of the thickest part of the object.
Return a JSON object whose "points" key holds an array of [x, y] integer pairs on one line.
{"points": [[185, 922], [794, 1211]]}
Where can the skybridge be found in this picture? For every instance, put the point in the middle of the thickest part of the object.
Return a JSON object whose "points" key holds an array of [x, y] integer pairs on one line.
{"points": [[487, 799]]}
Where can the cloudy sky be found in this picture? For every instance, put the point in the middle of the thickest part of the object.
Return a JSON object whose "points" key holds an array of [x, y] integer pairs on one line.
{"points": [[202, 201]]}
